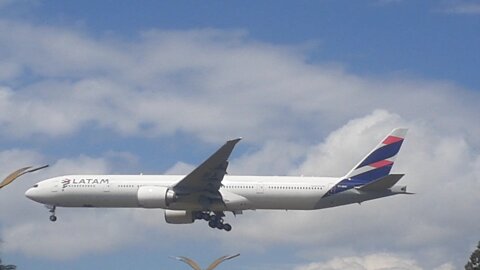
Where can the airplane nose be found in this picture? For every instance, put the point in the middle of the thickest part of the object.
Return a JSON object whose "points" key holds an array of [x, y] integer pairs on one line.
{"points": [[31, 194], [28, 193], [37, 194]]}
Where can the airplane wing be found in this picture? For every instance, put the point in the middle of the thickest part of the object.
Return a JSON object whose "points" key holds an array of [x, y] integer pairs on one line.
{"points": [[207, 178], [202, 185]]}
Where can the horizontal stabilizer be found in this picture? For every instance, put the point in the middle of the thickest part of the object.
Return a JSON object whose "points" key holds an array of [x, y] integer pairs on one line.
{"points": [[383, 183]]}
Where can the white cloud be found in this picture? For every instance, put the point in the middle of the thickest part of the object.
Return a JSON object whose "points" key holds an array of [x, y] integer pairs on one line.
{"points": [[215, 85], [81, 233], [445, 266], [211, 84], [180, 168], [12, 202], [81, 165], [438, 168], [377, 261], [25, 227], [275, 157], [380, 261], [25, 224], [343, 148], [463, 7]]}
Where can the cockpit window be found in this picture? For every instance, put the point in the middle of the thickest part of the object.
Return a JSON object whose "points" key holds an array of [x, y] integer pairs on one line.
{"points": [[36, 185]]}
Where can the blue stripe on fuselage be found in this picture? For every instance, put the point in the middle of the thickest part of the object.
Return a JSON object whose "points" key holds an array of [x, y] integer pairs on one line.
{"points": [[359, 180], [341, 186]]}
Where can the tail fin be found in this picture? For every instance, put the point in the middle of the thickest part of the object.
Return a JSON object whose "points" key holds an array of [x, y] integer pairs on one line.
{"points": [[379, 161]]}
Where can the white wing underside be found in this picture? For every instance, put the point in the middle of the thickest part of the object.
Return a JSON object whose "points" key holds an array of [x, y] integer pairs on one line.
{"points": [[202, 185]]}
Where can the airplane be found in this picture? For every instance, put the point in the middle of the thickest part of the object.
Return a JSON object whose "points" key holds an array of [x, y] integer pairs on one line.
{"points": [[208, 192]]}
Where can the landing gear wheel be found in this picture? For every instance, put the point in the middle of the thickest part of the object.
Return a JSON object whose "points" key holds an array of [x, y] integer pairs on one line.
{"points": [[227, 227], [52, 208], [198, 215], [216, 220], [206, 216], [212, 224]]}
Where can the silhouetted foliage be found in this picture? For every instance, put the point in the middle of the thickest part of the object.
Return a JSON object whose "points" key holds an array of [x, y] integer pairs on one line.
{"points": [[7, 267], [474, 262]]}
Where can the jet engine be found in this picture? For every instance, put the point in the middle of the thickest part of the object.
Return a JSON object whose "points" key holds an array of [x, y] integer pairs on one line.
{"points": [[179, 216], [155, 197]]}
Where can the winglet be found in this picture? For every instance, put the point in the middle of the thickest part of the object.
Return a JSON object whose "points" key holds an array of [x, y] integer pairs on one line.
{"points": [[235, 140]]}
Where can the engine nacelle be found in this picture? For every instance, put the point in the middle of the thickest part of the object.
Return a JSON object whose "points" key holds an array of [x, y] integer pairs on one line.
{"points": [[179, 216], [155, 197]]}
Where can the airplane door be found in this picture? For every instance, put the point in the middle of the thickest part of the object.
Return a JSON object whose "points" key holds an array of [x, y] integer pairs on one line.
{"points": [[260, 188], [56, 187], [106, 187]]}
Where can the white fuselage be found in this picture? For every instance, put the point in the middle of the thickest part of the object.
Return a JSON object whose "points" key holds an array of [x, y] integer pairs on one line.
{"points": [[207, 192], [238, 192]]}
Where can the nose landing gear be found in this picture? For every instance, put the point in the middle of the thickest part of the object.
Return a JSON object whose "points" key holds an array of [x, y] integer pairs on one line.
{"points": [[52, 208]]}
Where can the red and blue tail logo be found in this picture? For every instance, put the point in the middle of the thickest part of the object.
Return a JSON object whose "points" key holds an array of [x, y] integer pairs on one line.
{"points": [[375, 165], [379, 162]]}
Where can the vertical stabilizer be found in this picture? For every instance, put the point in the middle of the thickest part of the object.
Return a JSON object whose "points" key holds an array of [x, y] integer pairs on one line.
{"points": [[379, 161], [373, 171]]}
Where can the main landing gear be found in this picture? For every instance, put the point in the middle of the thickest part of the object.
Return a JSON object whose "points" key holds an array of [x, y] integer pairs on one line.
{"points": [[215, 220], [51, 208]]}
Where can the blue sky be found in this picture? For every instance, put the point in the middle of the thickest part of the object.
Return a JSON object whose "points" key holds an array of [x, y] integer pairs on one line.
{"points": [[368, 37], [122, 87]]}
